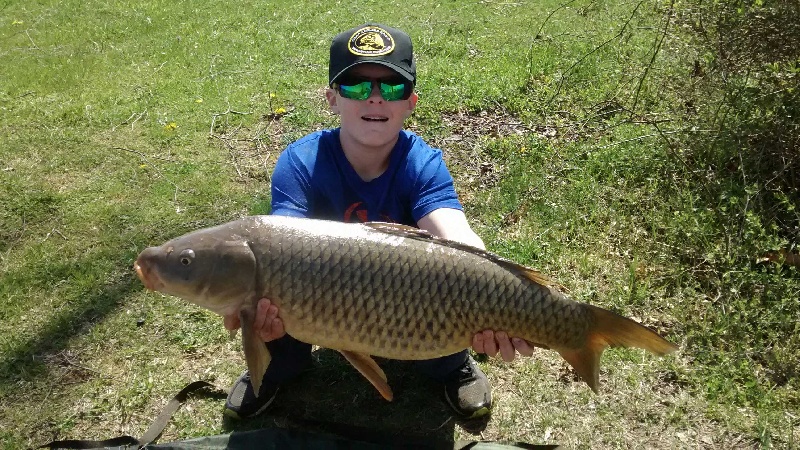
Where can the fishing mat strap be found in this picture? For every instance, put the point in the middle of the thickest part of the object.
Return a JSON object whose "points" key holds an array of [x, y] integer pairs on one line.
{"points": [[155, 429]]}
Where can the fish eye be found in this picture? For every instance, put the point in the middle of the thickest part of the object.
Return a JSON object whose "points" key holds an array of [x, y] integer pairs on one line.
{"points": [[187, 256]]}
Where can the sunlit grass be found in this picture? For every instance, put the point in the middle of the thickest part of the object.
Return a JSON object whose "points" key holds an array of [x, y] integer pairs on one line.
{"points": [[124, 125]]}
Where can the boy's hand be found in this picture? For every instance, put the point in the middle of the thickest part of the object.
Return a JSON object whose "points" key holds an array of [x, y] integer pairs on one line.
{"points": [[267, 323], [489, 342]]}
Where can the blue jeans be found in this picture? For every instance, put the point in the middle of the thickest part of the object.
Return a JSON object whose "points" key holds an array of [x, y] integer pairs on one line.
{"points": [[290, 357]]}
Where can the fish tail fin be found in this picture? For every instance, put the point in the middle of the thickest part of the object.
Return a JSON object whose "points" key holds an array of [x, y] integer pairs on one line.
{"points": [[609, 329], [255, 351]]}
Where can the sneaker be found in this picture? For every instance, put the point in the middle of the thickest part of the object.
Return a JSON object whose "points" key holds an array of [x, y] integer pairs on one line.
{"points": [[468, 392], [243, 404]]}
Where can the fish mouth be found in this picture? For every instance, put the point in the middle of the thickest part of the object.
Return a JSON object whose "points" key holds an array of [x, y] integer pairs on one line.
{"points": [[149, 279]]}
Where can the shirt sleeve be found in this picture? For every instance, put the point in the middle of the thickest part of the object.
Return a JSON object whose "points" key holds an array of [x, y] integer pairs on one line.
{"points": [[434, 187], [291, 188]]}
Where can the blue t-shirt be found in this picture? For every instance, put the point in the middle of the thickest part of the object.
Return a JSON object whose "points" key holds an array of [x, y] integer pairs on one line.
{"points": [[314, 179]]}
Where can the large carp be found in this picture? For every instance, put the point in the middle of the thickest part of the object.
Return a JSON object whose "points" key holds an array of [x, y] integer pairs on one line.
{"points": [[379, 289]]}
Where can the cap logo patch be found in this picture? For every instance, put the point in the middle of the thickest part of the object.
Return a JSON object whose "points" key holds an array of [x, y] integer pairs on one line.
{"points": [[371, 41]]}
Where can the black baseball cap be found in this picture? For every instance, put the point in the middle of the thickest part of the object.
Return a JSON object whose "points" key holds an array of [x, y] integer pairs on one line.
{"points": [[372, 43]]}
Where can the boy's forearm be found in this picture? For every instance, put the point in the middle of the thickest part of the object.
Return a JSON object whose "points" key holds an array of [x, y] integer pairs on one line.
{"points": [[450, 224]]}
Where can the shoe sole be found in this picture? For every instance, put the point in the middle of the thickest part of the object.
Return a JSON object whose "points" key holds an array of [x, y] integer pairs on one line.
{"points": [[480, 413], [475, 415], [234, 415]]}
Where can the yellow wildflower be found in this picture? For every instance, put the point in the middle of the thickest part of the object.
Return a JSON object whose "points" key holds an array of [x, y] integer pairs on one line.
{"points": [[280, 110], [171, 126]]}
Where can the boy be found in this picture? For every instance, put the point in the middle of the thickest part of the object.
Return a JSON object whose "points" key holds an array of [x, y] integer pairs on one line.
{"points": [[370, 169]]}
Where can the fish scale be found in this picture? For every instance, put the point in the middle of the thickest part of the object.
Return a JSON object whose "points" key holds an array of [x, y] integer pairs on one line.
{"points": [[442, 307], [380, 289]]}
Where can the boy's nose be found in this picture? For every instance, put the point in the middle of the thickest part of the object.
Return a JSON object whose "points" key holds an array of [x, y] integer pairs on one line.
{"points": [[375, 92]]}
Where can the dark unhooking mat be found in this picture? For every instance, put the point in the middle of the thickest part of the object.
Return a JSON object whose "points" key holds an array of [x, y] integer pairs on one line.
{"points": [[285, 439], [335, 435]]}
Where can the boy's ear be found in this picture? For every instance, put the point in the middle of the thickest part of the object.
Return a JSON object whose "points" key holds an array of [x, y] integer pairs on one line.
{"points": [[412, 104], [330, 96]]}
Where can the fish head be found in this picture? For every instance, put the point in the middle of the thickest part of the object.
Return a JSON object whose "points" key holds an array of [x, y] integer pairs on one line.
{"points": [[213, 270]]}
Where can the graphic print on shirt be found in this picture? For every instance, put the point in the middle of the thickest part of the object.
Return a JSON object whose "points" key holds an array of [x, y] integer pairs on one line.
{"points": [[357, 213]]}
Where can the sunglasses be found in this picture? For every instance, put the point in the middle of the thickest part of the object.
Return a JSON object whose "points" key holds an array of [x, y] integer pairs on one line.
{"points": [[391, 90]]}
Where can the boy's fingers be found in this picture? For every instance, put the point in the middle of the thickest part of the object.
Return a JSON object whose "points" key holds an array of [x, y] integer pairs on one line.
{"points": [[506, 349], [274, 331], [523, 347], [477, 343], [489, 344], [261, 314]]}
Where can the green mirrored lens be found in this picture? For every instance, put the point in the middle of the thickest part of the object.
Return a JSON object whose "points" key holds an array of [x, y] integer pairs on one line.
{"points": [[392, 92], [359, 91]]}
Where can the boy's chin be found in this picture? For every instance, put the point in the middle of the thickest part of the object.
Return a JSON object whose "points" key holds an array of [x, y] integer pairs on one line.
{"points": [[375, 136]]}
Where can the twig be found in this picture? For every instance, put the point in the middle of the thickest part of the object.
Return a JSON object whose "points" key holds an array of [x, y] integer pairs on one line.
{"points": [[138, 116], [56, 231], [23, 95], [231, 151], [36, 47], [229, 111], [653, 59], [658, 133], [637, 138], [64, 356], [147, 160], [622, 30]]}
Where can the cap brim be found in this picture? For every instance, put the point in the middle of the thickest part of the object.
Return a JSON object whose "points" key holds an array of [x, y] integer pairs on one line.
{"points": [[403, 73]]}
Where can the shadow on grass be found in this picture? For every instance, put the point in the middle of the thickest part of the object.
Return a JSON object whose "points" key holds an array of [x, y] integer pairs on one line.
{"points": [[27, 360], [334, 399]]}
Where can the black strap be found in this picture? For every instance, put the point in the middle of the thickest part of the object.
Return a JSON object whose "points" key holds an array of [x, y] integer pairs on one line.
{"points": [[152, 433]]}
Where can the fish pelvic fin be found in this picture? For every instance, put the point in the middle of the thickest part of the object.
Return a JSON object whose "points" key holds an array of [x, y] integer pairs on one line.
{"points": [[609, 329], [255, 351], [371, 371]]}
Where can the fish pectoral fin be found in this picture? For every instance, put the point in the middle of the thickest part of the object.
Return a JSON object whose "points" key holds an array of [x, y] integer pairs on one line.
{"points": [[255, 350], [371, 371]]}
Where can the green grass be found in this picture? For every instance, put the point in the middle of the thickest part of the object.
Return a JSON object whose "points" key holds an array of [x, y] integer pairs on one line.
{"points": [[124, 125]]}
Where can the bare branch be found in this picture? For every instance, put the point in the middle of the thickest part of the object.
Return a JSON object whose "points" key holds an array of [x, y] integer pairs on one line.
{"points": [[653, 59], [606, 42], [229, 111]]}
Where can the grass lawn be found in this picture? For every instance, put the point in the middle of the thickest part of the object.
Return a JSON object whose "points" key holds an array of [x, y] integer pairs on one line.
{"points": [[565, 125]]}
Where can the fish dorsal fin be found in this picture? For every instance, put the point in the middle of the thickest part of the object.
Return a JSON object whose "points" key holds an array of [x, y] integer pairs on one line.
{"points": [[539, 278], [397, 229], [422, 235]]}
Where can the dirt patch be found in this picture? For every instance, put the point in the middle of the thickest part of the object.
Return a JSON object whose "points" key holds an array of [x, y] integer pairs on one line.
{"points": [[464, 137], [253, 152]]}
